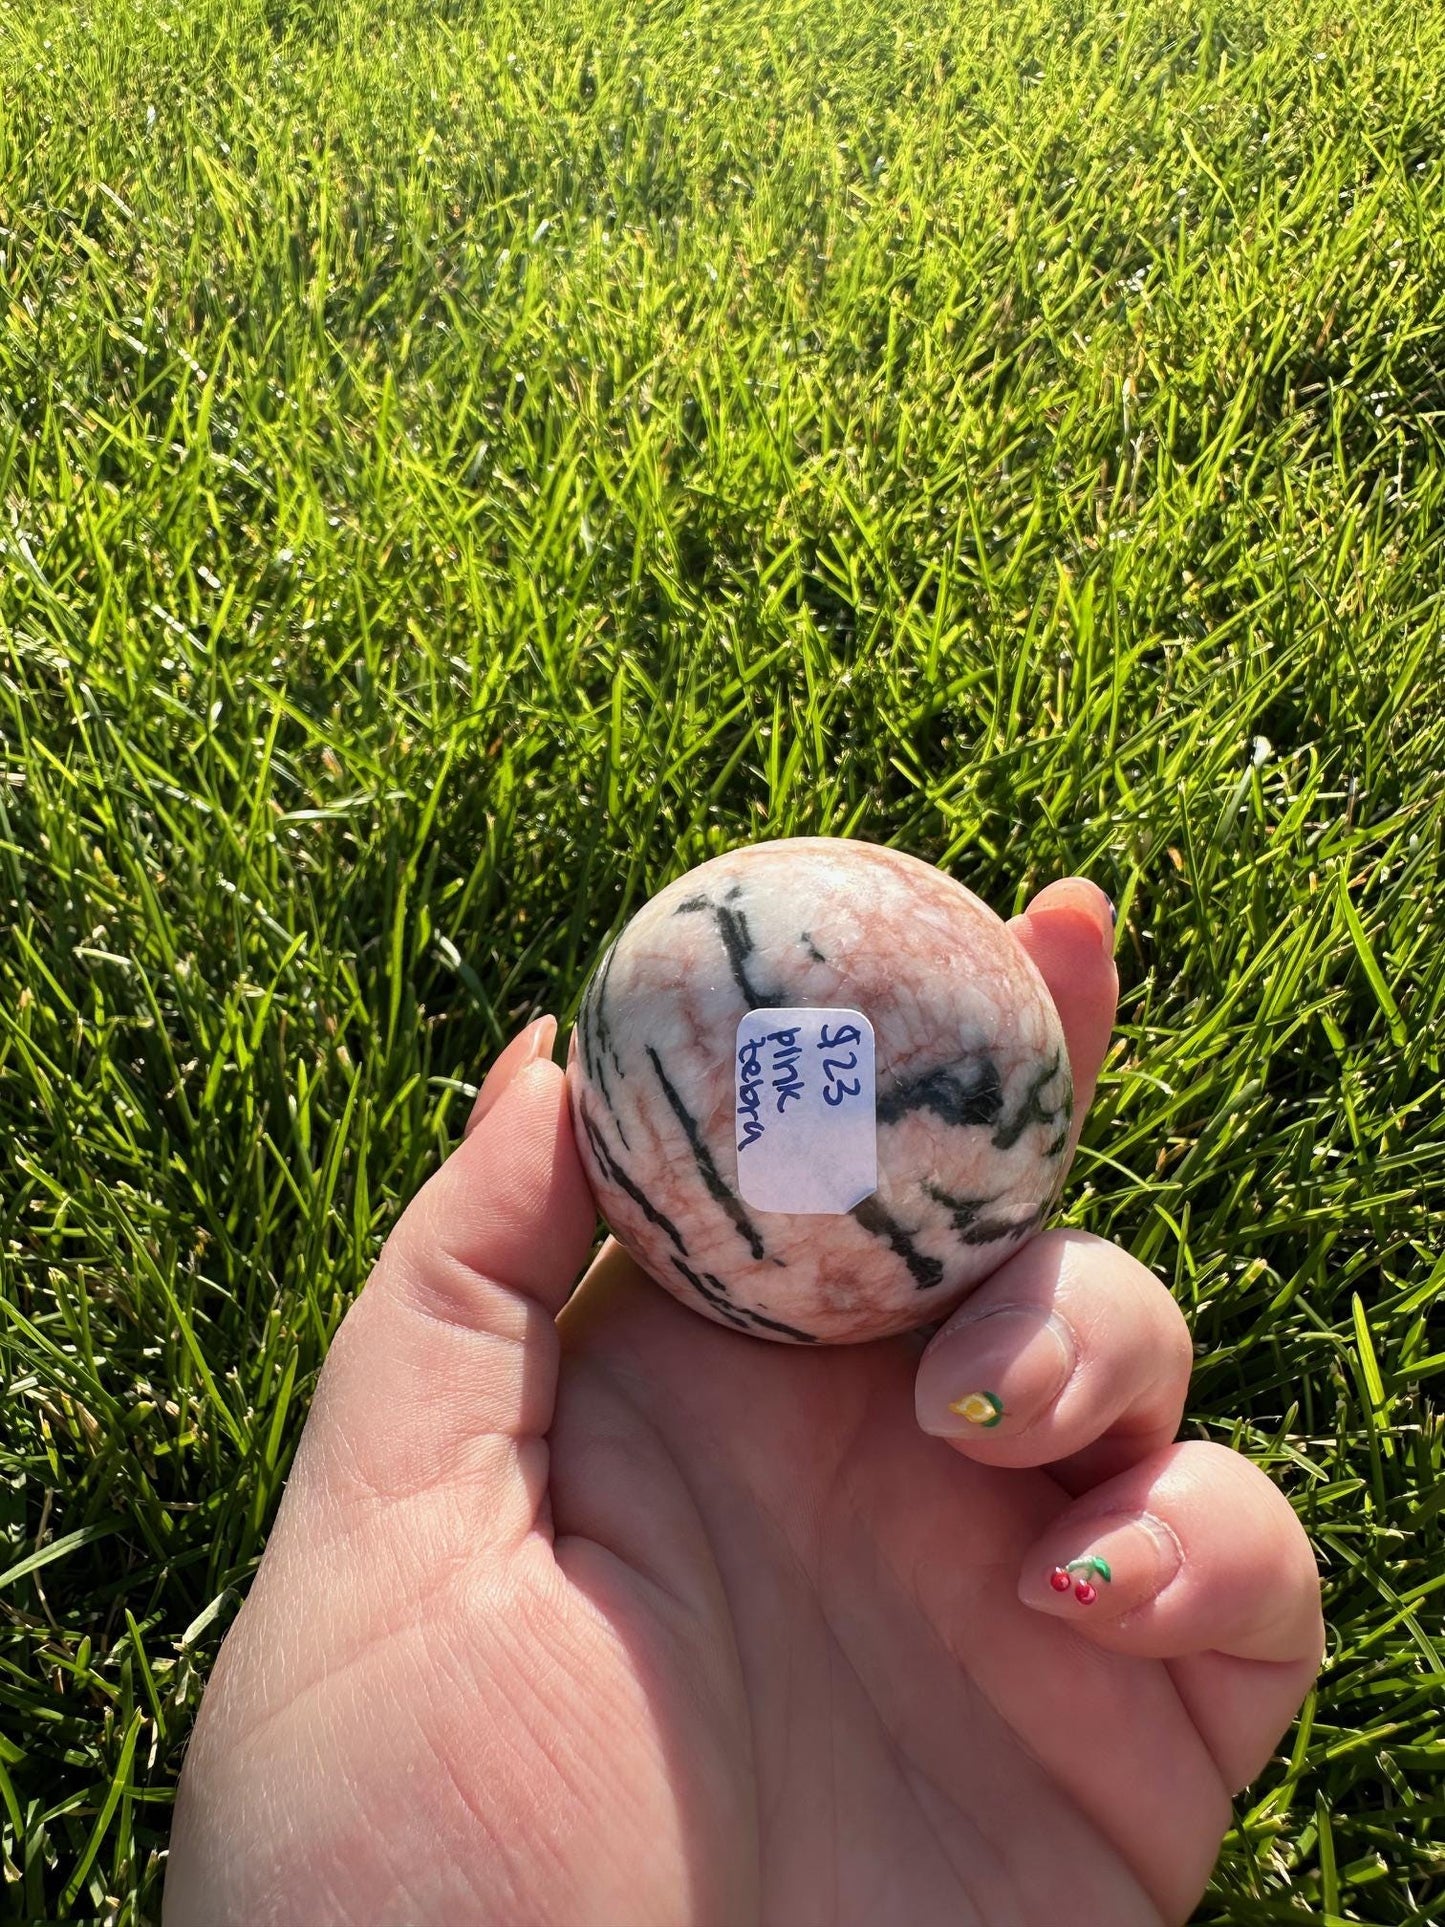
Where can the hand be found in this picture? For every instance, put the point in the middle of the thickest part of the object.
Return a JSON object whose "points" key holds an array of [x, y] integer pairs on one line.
{"points": [[625, 1620]]}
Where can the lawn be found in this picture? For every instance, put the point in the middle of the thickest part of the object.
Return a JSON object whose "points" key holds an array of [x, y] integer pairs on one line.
{"points": [[462, 464]]}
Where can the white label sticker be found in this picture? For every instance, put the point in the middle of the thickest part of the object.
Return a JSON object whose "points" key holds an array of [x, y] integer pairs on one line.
{"points": [[806, 1133]]}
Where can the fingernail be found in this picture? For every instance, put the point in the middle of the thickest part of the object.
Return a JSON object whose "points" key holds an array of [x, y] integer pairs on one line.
{"points": [[994, 1374], [1077, 897], [525, 1048], [1120, 1566]]}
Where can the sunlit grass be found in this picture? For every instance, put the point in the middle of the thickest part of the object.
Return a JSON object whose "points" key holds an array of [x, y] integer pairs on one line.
{"points": [[460, 466]]}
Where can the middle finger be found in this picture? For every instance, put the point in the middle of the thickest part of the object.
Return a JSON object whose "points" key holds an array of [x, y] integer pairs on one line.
{"points": [[1071, 1355]]}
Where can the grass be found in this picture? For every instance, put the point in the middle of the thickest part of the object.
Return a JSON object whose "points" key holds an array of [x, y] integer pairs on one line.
{"points": [[462, 465]]}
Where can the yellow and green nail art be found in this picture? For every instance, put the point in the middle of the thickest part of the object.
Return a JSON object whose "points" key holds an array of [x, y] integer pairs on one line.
{"points": [[979, 1408]]}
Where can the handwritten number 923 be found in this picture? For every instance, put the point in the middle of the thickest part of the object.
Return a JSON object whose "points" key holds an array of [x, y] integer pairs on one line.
{"points": [[836, 1087]]}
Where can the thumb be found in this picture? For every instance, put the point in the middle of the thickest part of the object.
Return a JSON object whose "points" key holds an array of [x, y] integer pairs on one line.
{"points": [[445, 1368]]}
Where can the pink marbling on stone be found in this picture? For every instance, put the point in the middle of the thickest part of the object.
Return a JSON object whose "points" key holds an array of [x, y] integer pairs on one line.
{"points": [[973, 1087]]}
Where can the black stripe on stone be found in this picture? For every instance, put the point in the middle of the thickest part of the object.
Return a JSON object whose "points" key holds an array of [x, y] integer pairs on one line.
{"points": [[584, 1024], [924, 1270], [962, 1212], [624, 1183], [989, 1230], [777, 1325], [594, 1035], [970, 1227], [812, 949], [737, 943], [703, 1159], [715, 1292], [604, 1028], [1032, 1111], [717, 1297], [970, 1092]]}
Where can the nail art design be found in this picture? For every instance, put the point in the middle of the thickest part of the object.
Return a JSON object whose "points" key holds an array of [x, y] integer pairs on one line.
{"points": [[1085, 1591], [979, 1408]]}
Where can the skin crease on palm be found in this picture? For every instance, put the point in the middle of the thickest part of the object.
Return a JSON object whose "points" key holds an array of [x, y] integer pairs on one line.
{"points": [[622, 1619]]}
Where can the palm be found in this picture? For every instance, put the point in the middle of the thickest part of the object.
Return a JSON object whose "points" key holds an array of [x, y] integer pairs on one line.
{"points": [[857, 1615], [759, 1606]]}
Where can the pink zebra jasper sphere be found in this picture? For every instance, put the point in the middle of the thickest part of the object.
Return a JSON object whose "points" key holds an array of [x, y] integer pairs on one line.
{"points": [[820, 1091]]}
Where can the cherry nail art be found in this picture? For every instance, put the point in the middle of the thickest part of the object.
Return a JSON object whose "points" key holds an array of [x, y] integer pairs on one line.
{"points": [[1087, 1570]]}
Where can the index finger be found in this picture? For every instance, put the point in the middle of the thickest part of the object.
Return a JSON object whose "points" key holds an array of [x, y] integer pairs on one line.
{"points": [[1068, 931]]}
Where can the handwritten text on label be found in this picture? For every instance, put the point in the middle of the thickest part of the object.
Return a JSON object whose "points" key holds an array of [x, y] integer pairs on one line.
{"points": [[806, 1132]]}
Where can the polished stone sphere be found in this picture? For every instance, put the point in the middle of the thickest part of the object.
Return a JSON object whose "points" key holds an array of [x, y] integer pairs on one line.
{"points": [[820, 1090]]}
